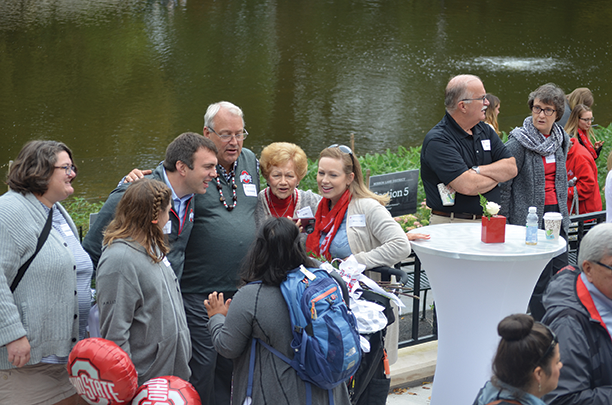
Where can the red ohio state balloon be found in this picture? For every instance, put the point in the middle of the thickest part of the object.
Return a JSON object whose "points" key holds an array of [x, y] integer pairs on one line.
{"points": [[167, 390], [102, 372]]}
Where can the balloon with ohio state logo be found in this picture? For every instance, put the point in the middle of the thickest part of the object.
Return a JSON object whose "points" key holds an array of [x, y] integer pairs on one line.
{"points": [[167, 390], [102, 372]]}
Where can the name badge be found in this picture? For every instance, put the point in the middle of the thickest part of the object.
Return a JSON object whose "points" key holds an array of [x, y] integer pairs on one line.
{"points": [[166, 261], [250, 190], [66, 229], [486, 144], [305, 212], [191, 216], [167, 229], [357, 221], [550, 159]]}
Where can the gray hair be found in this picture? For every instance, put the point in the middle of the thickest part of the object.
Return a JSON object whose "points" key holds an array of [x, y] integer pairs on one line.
{"points": [[549, 93], [213, 109], [456, 90], [596, 244]]}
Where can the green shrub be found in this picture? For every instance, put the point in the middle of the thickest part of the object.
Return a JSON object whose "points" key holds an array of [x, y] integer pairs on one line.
{"points": [[79, 210]]}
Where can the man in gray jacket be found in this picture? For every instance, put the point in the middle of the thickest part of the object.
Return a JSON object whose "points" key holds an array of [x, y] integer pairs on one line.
{"points": [[579, 310]]}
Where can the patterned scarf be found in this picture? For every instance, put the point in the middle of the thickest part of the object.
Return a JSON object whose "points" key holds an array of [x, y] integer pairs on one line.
{"points": [[532, 139], [327, 222]]}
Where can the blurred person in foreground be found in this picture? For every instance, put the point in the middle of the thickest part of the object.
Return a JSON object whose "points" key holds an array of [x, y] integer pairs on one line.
{"points": [[46, 315], [578, 305], [526, 365]]}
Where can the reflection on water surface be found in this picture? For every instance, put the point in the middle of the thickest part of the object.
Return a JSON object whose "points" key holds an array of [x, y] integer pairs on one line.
{"points": [[118, 80]]}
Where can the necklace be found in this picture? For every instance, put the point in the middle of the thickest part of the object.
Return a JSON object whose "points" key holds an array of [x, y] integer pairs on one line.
{"points": [[234, 187], [292, 203]]}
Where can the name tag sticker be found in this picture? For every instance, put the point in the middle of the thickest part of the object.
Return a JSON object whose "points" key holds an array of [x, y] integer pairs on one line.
{"points": [[550, 159], [486, 144], [305, 212], [166, 261], [66, 229], [167, 229], [357, 221], [250, 190]]}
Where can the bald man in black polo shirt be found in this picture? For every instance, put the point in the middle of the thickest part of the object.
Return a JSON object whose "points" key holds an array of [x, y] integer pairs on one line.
{"points": [[464, 154]]}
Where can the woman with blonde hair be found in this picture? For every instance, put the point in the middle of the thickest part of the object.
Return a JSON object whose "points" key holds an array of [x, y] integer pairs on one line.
{"points": [[352, 220], [492, 112], [284, 165], [579, 126], [141, 308]]}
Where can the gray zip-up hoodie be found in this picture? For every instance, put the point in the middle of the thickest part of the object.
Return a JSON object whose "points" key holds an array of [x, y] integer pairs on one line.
{"points": [[141, 309]]}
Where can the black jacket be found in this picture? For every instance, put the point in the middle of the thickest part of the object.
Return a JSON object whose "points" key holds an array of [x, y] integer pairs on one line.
{"points": [[584, 342]]}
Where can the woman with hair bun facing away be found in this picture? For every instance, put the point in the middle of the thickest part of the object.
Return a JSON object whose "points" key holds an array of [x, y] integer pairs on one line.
{"points": [[526, 365]]}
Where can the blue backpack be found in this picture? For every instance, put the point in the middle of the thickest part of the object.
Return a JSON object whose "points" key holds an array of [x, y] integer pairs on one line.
{"points": [[325, 338]]}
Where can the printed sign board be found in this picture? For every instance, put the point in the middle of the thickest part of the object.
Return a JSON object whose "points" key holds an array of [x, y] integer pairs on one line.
{"points": [[402, 188]]}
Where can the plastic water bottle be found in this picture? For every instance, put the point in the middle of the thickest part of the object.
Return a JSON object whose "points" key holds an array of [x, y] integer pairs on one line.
{"points": [[531, 236]]}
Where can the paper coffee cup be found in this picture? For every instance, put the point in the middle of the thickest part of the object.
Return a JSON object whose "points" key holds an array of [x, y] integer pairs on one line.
{"points": [[552, 224], [447, 194]]}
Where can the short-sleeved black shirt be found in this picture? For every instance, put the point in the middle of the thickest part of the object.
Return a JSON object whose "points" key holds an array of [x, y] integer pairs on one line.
{"points": [[448, 151]]}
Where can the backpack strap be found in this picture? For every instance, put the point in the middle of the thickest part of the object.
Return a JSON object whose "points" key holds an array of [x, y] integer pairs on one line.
{"points": [[249, 395], [41, 241], [345, 293]]}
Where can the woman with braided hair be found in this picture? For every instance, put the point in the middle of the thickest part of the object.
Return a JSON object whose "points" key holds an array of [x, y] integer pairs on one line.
{"points": [[140, 302], [526, 365]]}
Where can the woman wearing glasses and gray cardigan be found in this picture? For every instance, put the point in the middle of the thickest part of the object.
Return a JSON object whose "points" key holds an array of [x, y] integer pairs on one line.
{"points": [[540, 148]]}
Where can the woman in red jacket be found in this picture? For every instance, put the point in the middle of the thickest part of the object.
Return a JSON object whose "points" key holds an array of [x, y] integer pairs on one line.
{"points": [[582, 173], [579, 126]]}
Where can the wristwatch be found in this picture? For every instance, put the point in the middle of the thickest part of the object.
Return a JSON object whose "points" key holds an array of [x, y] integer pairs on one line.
{"points": [[476, 169]]}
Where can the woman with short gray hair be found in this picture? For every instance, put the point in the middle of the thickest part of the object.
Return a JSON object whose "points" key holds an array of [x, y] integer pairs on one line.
{"points": [[540, 148]]}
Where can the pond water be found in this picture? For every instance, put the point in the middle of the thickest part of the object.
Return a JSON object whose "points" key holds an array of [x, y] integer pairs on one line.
{"points": [[117, 80]]}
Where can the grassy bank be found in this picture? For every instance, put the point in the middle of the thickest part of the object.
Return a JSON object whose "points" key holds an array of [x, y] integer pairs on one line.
{"points": [[378, 163]]}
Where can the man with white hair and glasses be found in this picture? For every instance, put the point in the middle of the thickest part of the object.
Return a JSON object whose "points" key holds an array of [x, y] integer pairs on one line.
{"points": [[578, 304], [223, 230]]}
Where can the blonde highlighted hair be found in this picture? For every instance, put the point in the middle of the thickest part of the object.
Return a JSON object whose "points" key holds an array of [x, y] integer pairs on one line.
{"points": [[350, 164], [137, 215], [574, 119]]}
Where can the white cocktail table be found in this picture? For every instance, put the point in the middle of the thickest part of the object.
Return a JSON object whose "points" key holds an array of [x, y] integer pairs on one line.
{"points": [[475, 285]]}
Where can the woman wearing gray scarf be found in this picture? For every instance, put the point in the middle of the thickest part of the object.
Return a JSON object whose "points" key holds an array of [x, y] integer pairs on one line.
{"points": [[540, 148]]}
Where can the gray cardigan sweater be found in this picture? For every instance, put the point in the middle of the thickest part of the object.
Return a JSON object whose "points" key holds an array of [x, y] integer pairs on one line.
{"points": [[141, 309], [44, 306], [527, 188]]}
